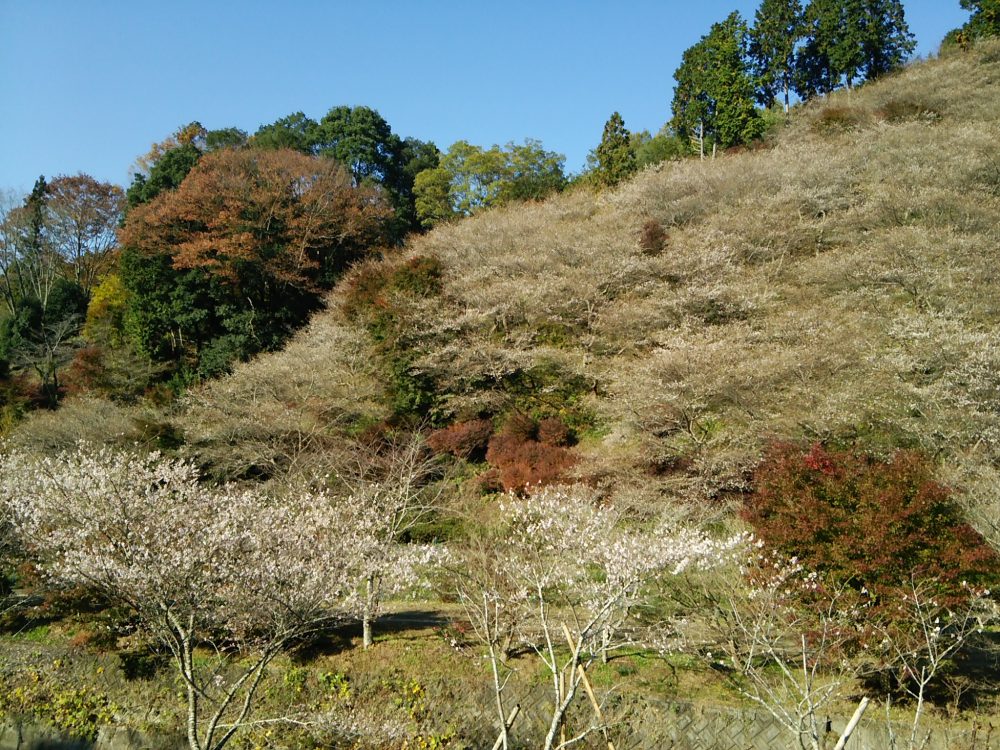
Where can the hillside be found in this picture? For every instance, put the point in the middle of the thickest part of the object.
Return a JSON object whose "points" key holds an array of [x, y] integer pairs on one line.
{"points": [[838, 283]]}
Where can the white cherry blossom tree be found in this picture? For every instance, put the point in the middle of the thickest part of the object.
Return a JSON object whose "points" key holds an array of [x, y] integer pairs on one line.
{"points": [[219, 571], [389, 492], [565, 575]]}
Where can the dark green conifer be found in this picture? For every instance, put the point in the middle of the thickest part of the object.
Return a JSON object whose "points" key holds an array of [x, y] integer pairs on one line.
{"points": [[615, 157], [775, 35], [714, 99]]}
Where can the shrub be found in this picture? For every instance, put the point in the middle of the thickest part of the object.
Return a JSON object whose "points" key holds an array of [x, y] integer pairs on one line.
{"points": [[652, 238], [553, 431], [904, 109], [369, 296], [466, 440], [525, 455], [870, 523], [520, 428], [369, 287], [839, 120]]}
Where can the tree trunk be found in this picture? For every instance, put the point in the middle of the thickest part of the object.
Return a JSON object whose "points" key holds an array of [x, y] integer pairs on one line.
{"points": [[366, 616]]}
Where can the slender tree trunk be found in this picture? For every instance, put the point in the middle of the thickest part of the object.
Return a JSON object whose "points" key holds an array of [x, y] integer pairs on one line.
{"points": [[367, 613], [918, 712], [181, 645], [498, 693]]}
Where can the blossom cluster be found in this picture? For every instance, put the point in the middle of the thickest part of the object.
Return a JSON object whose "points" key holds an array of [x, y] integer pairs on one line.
{"points": [[146, 532]]}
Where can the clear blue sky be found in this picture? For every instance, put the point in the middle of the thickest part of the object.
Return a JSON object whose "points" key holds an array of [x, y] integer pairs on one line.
{"points": [[88, 85]]}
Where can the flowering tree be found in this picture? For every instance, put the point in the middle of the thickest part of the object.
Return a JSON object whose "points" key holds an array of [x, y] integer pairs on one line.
{"points": [[564, 577], [789, 659], [388, 496], [219, 571], [794, 642], [926, 632]]}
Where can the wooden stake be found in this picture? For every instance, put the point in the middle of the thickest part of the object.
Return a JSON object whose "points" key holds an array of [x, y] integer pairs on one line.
{"points": [[852, 724], [510, 722], [589, 690]]}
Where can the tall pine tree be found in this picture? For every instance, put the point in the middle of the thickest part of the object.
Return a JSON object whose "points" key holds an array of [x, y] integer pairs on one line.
{"points": [[848, 41], [714, 98], [775, 35], [887, 40], [615, 156]]}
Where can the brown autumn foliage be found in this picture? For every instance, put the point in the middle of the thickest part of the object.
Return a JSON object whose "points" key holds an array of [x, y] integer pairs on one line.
{"points": [[653, 237], [296, 217], [466, 440], [84, 214], [524, 454]]}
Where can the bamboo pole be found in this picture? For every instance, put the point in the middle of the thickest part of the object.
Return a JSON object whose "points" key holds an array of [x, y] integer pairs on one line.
{"points": [[589, 690], [852, 724]]}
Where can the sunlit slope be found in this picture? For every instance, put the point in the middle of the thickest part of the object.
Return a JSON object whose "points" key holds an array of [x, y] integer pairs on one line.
{"points": [[841, 283]]}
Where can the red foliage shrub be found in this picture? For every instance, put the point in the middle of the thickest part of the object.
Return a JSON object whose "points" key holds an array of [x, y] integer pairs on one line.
{"points": [[86, 372], [466, 440], [522, 459], [871, 523], [520, 428], [553, 431]]}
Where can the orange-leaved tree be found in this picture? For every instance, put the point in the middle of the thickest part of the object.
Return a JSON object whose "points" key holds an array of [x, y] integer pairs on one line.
{"points": [[236, 257], [293, 217]]}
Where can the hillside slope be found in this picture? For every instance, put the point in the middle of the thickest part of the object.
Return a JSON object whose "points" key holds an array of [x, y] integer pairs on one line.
{"points": [[839, 284]]}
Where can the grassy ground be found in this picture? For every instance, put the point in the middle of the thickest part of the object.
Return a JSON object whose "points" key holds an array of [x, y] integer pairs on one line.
{"points": [[420, 686]]}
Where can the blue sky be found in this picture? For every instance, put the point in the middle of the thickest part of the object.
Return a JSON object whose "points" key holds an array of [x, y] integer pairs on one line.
{"points": [[87, 86]]}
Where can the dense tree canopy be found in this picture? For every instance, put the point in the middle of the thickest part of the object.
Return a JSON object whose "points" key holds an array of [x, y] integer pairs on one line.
{"points": [[775, 35], [83, 215], [985, 19], [239, 251], [53, 248], [714, 99], [470, 178], [850, 40], [296, 131], [361, 140]]}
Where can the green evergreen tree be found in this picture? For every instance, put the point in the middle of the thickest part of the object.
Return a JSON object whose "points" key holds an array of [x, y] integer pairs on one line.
{"points": [[615, 156], [167, 173], [296, 131], [849, 41], [776, 33], [985, 19], [887, 40], [714, 98]]}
